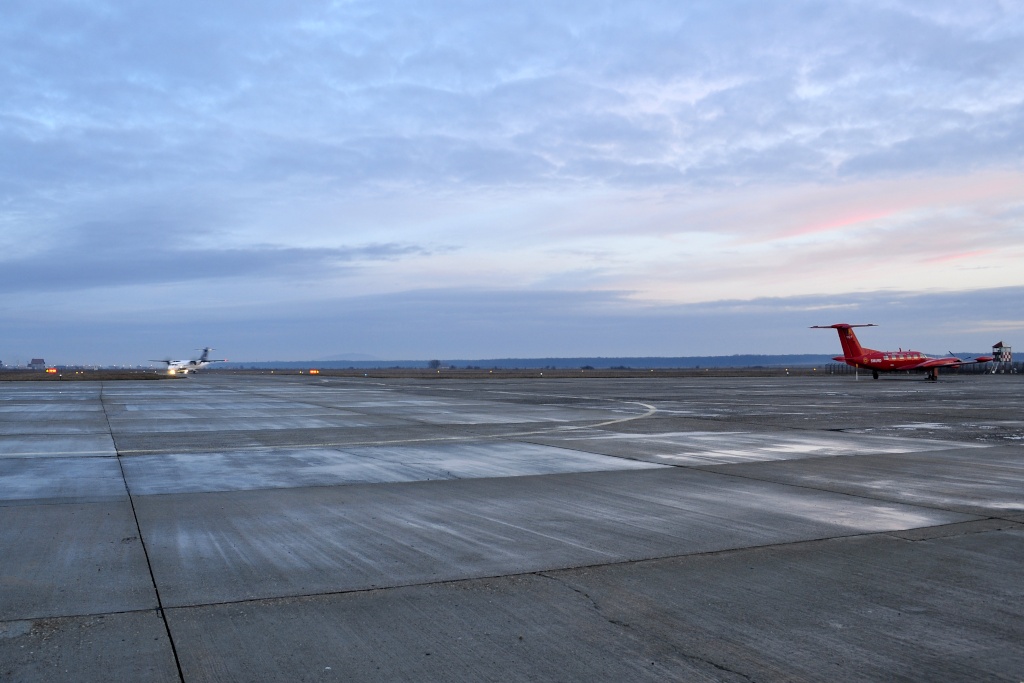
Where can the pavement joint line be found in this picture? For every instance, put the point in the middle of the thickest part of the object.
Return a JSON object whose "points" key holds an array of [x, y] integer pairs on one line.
{"points": [[708, 468], [887, 533], [539, 572], [754, 427], [570, 447], [84, 615], [865, 496], [970, 529], [651, 410], [390, 442], [606, 455], [329, 486], [276, 397], [434, 389], [56, 434], [142, 542], [101, 454], [47, 502]]}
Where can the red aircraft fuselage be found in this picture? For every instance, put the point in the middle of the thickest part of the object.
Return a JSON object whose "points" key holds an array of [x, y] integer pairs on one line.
{"points": [[890, 361]]}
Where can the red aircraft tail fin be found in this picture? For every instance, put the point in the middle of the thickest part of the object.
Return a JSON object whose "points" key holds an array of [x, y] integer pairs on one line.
{"points": [[851, 345]]}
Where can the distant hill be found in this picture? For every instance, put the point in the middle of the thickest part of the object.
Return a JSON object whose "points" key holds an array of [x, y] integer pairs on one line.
{"points": [[735, 361], [347, 357]]}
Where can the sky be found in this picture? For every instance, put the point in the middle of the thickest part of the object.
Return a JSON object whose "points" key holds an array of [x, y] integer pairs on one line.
{"points": [[467, 179]]}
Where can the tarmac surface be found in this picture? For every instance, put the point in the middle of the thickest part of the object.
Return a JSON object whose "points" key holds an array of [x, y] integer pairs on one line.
{"points": [[295, 528]]}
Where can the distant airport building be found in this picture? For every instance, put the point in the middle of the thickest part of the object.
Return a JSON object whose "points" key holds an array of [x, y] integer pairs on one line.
{"points": [[37, 364]]}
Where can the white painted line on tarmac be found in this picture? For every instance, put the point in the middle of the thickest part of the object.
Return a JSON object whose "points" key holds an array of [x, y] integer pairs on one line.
{"points": [[651, 410]]}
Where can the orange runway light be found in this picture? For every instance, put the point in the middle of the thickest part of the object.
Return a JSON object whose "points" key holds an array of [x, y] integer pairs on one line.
{"points": [[314, 371], [52, 371]]}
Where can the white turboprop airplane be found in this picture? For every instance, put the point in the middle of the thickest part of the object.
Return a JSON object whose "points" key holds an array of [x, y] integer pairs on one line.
{"points": [[183, 367]]}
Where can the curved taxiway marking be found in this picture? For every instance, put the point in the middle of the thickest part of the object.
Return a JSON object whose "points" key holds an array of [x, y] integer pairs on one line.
{"points": [[650, 410]]}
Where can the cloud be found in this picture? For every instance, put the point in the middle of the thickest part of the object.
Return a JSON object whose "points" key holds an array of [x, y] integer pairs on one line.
{"points": [[649, 153], [528, 93], [104, 255]]}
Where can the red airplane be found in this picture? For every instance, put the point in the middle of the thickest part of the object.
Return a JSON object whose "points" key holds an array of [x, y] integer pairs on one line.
{"points": [[890, 361]]}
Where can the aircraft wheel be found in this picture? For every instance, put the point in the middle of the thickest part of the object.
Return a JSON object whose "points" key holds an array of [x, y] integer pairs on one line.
{"points": [[874, 374]]}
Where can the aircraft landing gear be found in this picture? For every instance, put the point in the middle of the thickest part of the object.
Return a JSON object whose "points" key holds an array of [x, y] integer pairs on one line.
{"points": [[874, 374], [933, 375]]}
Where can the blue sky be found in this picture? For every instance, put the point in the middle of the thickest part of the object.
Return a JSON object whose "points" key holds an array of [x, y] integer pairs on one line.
{"points": [[473, 180]]}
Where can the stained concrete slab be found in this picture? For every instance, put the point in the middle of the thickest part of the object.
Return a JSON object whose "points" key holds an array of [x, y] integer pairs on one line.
{"points": [[249, 469], [290, 468], [855, 609], [71, 560], [55, 445], [464, 460], [71, 480], [218, 422], [957, 529], [232, 440], [11, 410], [25, 392], [131, 646], [85, 422], [218, 547], [479, 414], [693, 448], [985, 482], [524, 628], [870, 608]]}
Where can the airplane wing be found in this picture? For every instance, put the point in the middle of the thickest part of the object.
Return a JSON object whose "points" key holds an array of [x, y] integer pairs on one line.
{"points": [[949, 361], [938, 363]]}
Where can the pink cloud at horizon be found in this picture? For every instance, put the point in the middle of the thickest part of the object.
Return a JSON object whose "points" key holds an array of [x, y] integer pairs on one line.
{"points": [[807, 211], [836, 224], [945, 258]]}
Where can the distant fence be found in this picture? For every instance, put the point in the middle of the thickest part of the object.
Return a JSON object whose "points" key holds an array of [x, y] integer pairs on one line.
{"points": [[996, 368], [973, 369]]}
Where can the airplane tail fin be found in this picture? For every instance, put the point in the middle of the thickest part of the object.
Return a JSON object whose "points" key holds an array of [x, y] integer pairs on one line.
{"points": [[206, 354], [847, 337]]}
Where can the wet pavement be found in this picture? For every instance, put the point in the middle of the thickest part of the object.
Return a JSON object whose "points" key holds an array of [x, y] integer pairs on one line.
{"points": [[294, 528]]}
